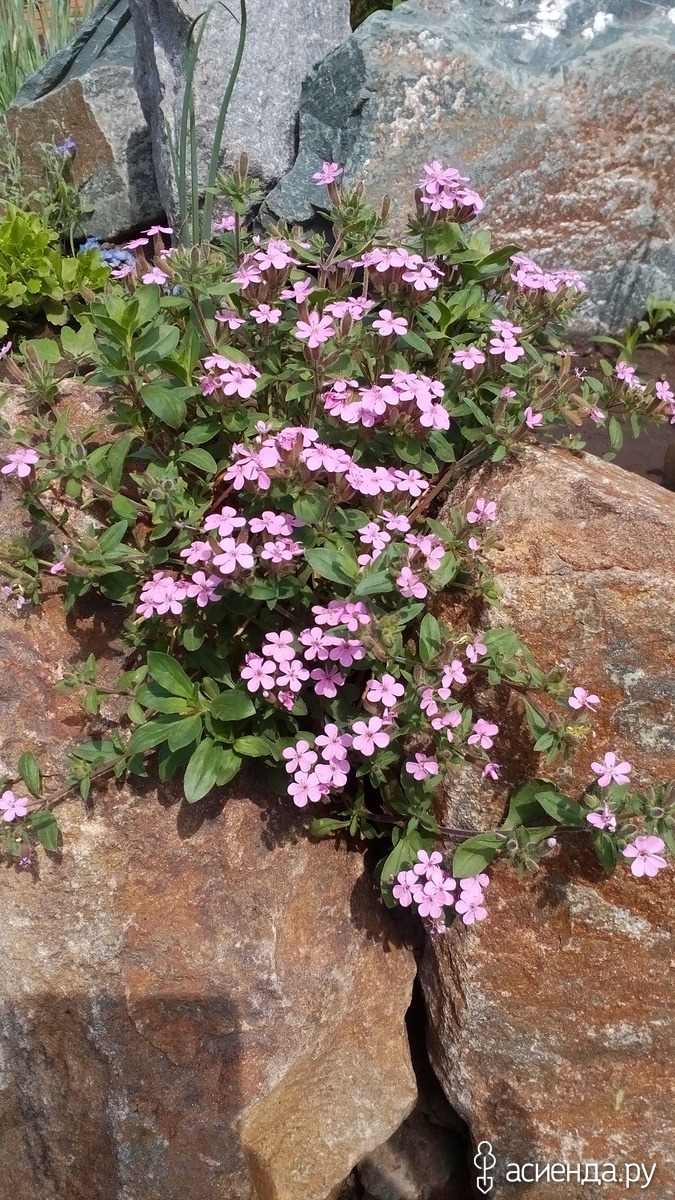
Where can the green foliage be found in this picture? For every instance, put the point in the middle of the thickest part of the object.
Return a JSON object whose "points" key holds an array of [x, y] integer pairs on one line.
{"points": [[30, 33], [35, 277]]}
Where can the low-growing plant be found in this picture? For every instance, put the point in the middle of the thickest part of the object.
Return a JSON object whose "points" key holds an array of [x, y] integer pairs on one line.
{"points": [[271, 507], [35, 278]]}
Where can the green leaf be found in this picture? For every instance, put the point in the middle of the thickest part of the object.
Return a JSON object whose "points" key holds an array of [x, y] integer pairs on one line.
{"points": [[170, 675], [163, 402], [430, 638], [233, 706], [202, 770], [523, 806], [333, 565], [112, 537], [184, 732], [230, 765], [201, 459], [375, 584], [474, 855], [312, 509], [29, 771], [47, 829], [148, 736], [417, 343], [253, 747], [605, 849], [324, 826], [560, 808]]}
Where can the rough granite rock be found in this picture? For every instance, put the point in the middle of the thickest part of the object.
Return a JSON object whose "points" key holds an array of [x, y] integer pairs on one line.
{"points": [[87, 92], [283, 43], [196, 1000], [552, 1026], [562, 114], [419, 1162]]}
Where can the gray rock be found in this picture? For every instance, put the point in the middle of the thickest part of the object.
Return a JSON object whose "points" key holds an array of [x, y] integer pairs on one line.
{"points": [[87, 92], [284, 41], [563, 114]]}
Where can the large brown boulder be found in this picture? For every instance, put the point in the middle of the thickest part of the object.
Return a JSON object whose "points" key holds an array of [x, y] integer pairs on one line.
{"points": [[196, 1000], [552, 1022]]}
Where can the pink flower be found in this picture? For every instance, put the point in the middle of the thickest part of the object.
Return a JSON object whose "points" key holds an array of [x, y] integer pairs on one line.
{"points": [[225, 224], [507, 393], [298, 291], [662, 388], [388, 324], [20, 461], [491, 770], [238, 380], [276, 524], [281, 550], [136, 243], [427, 864], [384, 691], [448, 721], [231, 318], [155, 276], [346, 651], [203, 588], [370, 736], [625, 373], [328, 680], [197, 552], [247, 274], [511, 351], [596, 414], [611, 771], [471, 908], [264, 314], [646, 853], [428, 703], [276, 256], [155, 229], [315, 330], [403, 888], [604, 819], [395, 522], [299, 757], [292, 675], [580, 698], [474, 544], [453, 672], [225, 522], [279, 646], [162, 594], [483, 734], [234, 555], [305, 788], [505, 327], [123, 271], [259, 673], [334, 744], [476, 650], [329, 172], [469, 357], [485, 510], [13, 806], [409, 584], [422, 768], [532, 420], [4, 350]]}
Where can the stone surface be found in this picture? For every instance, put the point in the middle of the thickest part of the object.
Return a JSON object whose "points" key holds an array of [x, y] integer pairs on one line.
{"points": [[196, 1000], [417, 1163], [87, 92], [552, 1027], [562, 114], [283, 43]]}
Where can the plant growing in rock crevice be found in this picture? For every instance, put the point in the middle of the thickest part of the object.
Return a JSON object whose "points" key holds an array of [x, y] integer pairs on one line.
{"points": [[290, 415]]}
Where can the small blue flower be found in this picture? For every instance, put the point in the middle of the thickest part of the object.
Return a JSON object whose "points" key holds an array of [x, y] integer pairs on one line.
{"points": [[66, 147]]}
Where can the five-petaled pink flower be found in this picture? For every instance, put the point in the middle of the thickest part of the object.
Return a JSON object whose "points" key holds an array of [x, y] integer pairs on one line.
{"points": [[647, 855], [422, 767], [384, 691], [580, 698], [156, 275], [532, 419], [483, 734], [469, 357], [611, 771], [370, 736], [387, 324], [315, 330], [155, 229], [13, 806], [604, 819], [329, 172], [299, 757], [265, 314], [484, 510], [471, 908], [258, 673], [21, 461]]}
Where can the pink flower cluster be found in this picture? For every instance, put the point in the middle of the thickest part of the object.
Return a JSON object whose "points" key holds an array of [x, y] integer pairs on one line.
{"points": [[410, 400], [398, 270], [314, 780], [432, 890], [530, 277], [442, 190], [665, 394], [297, 452], [287, 662], [228, 377], [629, 376]]}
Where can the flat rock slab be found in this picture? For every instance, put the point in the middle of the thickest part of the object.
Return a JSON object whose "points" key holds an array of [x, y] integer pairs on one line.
{"points": [[284, 41], [87, 92], [196, 1000], [562, 114], [552, 1023]]}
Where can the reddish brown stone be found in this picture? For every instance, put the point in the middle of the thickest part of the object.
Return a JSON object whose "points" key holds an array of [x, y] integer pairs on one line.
{"points": [[553, 1029]]}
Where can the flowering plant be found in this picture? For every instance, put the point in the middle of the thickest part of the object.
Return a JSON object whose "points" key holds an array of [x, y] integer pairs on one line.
{"points": [[271, 506]]}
